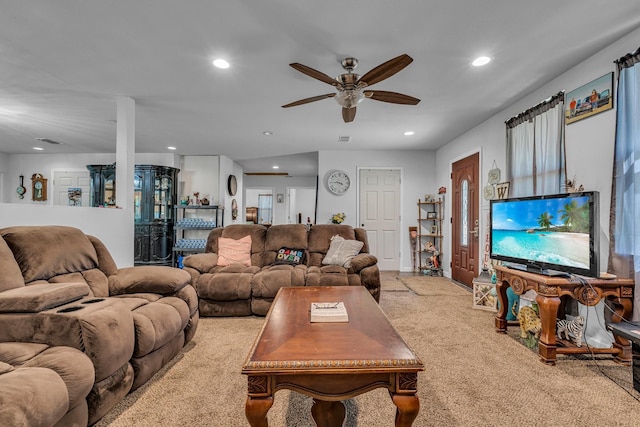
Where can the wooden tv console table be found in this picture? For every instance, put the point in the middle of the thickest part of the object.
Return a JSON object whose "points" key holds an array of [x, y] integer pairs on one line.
{"points": [[619, 293]]}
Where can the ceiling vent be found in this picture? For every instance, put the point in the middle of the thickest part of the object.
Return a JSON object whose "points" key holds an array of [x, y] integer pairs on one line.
{"points": [[342, 139], [49, 141]]}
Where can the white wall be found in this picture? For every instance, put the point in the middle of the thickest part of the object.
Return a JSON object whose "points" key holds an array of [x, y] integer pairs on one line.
{"points": [[112, 226], [301, 201], [279, 185], [229, 167], [15, 165], [200, 174], [589, 142], [418, 178]]}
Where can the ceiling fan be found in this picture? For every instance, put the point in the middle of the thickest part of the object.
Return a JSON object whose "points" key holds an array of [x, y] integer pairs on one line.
{"points": [[351, 87]]}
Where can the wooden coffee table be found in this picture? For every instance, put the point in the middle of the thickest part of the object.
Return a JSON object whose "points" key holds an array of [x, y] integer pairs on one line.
{"points": [[329, 361]]}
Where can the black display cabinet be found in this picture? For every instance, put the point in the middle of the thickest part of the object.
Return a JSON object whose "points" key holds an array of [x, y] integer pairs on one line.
{"points": [[154, 194]]}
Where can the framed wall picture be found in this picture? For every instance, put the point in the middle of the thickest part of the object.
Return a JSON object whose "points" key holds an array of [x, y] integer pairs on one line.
{"points": [[502, 190], [280, 198], [590, 99]]}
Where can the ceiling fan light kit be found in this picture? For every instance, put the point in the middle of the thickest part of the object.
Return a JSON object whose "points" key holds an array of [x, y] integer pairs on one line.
{"points": [[350, 86]]}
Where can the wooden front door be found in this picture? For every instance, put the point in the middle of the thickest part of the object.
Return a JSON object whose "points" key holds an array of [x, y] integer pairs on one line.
{"points": [[465, 219]]}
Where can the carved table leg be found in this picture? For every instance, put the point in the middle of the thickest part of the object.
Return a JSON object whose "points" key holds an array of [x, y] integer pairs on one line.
{"points": [[623, 308], [256, 410], [548, 313], [328, 414], [407, 406], [501, 315]]}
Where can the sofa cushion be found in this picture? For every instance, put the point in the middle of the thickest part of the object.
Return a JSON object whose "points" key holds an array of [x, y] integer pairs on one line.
{"points": [[293, 236], [11, 276], [320, 238], [44, 252], [227, 284], [342, 251], [202, 262], [237, 231], [157, 323], [32, 397], [269, 280], [40, 297], [148, 278], [231, 251]]}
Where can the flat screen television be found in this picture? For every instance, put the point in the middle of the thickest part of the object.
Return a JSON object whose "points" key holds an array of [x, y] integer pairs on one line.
{"points": [[547, 234]]}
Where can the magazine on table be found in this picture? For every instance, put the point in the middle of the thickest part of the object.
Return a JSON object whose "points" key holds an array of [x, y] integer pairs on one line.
{"points": [[324, 312]]}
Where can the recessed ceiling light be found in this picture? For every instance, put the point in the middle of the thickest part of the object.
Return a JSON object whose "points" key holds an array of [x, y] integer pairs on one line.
{"points": [[38, 148], [171, 148], [409, 133], [221, 63], [267, 133], [480, 61], [275, 167]]}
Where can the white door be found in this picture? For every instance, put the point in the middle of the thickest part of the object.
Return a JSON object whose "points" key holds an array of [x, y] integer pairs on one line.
{"points": [[71, 188], [380, 214]]}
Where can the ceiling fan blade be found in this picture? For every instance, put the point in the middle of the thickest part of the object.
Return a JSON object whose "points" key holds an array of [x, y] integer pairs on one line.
{"points": [[393, 97], [308, 100], [348, 114], [314, 73], [386, 70]]}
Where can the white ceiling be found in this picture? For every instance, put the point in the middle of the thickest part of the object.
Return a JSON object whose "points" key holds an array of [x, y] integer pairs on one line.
{"points": [[64, 62]]}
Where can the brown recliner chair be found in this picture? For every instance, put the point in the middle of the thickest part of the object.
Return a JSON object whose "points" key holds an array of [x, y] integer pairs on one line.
{"points": [[59, 286], [44, 386]]}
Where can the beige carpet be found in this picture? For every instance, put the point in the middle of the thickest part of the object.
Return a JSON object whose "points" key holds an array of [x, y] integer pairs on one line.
{"points": [[474, 376], [432, 286]]}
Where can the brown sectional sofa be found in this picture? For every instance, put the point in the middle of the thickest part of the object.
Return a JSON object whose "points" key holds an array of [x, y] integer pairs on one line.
{"points": [[60, 287], [239, 290]]}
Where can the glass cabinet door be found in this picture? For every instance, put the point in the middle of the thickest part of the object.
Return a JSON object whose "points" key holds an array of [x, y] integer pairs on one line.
{"points": [[163, 203], [137, 197]]}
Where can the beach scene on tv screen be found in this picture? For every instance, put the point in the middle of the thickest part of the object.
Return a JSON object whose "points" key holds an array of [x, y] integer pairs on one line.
{"points": [[554, 230]]}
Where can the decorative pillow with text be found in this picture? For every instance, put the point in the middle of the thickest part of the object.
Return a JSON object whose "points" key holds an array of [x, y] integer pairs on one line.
{"points": [[290, 256], [231, 251]]}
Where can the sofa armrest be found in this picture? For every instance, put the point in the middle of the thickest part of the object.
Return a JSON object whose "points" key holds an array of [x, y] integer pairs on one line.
{"points": [[155, 279], [40, 297], [202, 262], [361, 261]]}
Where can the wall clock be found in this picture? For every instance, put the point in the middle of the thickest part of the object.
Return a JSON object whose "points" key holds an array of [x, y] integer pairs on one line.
{"points": [[338, 182], [21, 190], [38, 188], [232, 185]]}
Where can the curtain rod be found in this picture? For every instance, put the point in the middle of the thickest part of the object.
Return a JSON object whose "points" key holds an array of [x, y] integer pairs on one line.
{"points": [[536, 109]]}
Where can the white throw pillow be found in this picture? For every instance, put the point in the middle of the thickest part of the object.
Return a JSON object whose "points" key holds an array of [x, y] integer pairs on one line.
{"points": [[342, 251]]}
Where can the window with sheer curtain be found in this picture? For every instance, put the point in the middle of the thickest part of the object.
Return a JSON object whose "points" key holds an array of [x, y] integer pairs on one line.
{"points": [[535, 149], [624, 257]]}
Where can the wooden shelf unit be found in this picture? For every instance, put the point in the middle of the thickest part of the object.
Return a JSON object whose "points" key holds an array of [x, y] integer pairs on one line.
{"points": [[429, 232]]}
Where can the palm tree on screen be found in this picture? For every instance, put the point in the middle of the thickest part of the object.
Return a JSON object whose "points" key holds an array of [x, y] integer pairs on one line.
{"points": [[544, 220]]}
